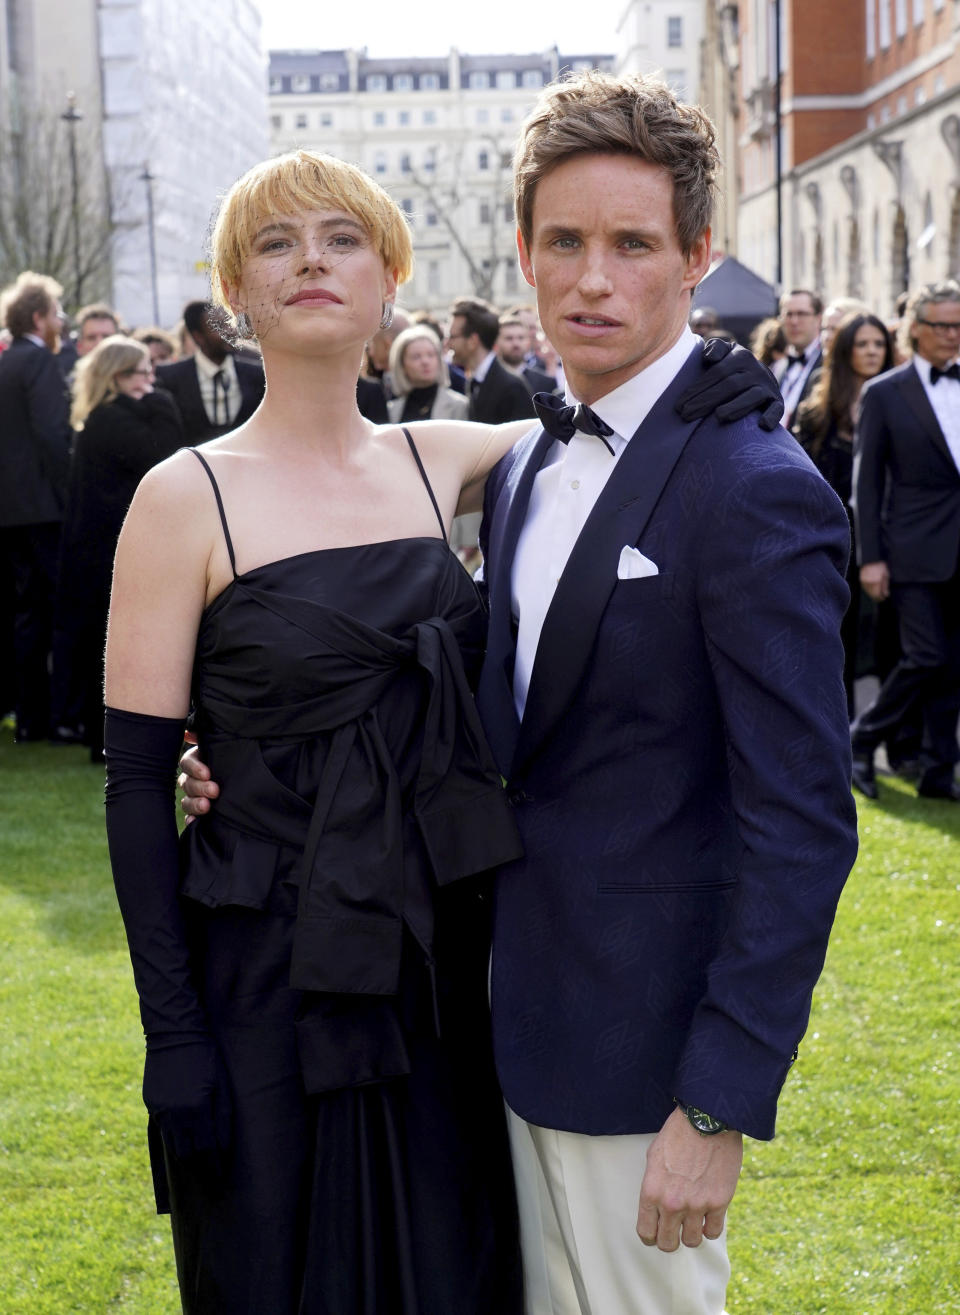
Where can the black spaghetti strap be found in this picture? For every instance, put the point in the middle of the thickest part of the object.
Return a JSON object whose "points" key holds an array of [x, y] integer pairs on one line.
{"points": [[223, 517], [423, 475]]}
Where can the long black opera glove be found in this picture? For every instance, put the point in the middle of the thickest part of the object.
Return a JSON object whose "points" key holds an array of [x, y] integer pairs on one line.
{"points": [[182, 1086], [735, 384]]}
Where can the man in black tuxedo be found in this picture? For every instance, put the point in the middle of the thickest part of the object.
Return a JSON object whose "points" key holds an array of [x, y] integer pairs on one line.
{"points": [[800, 314], [495, 394], [34, 462], [907, 508], [512, 353], [215, 391]]}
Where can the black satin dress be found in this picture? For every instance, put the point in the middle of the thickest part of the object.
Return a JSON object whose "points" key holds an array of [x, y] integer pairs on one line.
{"points": [[339, 927]]}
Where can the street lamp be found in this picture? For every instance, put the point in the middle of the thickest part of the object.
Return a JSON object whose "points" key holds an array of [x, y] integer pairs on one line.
{"points": [[71, 118], [147, 178]]}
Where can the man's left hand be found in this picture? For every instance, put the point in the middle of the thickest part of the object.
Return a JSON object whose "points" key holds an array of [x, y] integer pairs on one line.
{"points": [[689, 1182]]}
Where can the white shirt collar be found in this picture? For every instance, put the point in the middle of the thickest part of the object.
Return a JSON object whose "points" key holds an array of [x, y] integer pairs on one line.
{"points": [[626, 407], [923, 367], [35, 338], [480, 373], [208, 368]]}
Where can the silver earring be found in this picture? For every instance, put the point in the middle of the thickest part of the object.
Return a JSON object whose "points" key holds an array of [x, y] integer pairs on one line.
{"points": [[244, 325], [386, 319]]}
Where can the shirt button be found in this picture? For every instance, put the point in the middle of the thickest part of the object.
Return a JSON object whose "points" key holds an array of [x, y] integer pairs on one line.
{"points": [[575, 484]]}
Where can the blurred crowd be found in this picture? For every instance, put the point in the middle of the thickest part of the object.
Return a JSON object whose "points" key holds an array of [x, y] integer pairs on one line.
{"points": [[88, 406]]}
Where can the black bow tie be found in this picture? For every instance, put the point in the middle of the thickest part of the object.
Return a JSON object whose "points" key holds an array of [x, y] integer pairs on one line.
{"points": [[799, 359], [951, 372], [561, 421]]}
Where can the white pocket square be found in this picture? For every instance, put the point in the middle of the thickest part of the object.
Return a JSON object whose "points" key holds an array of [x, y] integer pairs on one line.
{"points": [[634, 566]]}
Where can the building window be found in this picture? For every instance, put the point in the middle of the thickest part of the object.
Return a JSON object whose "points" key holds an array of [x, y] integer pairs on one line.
{"points": [[433, 276], [379, 118], [276, 120], [510, 279], [301, 120], [429, 116], [939, 86], [901, 17], [484, 212], [506, 114], [406, 205], [677, 79], [920, 95], [506, 79], [483, 160], [376, 82], [531, 77], [300, 82], [429, 81], [871, 29], [674, 31], [276, 83], [329, 81], [508, 212], [380, 162], [403, 118], [506, 160], [478, 81], [884, 24], [403, 82], [431, 219], [430, 161], [405, 165], [483, 114], [326, 120], [876, 237], [918, 12]]}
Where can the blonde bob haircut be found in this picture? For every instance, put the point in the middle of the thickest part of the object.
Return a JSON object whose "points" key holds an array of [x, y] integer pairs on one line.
{"points": [[303, 180], [95, 382], [398, 349], [633, 115]]}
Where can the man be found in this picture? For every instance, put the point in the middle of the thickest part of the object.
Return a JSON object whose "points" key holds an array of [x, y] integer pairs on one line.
{"points": [[213, 389], [512, 354], [94, 323], [663, 692], [34, 463], [800, 314], [527, 316], [907, 509], [495, 395]]}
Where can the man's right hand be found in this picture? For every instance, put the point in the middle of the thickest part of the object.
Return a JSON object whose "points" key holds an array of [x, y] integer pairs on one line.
{"points": [[875, 579], [194, 780]]}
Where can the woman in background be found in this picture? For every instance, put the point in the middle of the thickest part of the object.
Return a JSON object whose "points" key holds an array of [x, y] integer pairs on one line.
{"points": [[421, 380], [861, 349], [122, 429]]}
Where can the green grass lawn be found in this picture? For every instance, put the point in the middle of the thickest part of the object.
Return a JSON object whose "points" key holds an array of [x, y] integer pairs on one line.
{"points": [[852, 1209]]}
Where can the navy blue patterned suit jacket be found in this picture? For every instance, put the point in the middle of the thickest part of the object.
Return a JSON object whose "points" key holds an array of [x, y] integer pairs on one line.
{"points": [[681, 780]]}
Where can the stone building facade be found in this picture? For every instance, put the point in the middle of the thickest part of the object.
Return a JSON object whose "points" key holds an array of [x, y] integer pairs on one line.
{"points": [[438, 134], [870, 144]]}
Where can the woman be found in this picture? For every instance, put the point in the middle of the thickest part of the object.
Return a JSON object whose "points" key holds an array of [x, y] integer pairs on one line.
{"points": [[325, 1122], [421, 380], [861, 349], [122, 429], [768, 342]]}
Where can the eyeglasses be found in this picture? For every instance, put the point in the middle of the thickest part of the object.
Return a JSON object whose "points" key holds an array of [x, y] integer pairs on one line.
{"points": [[144, 371], [946, 326]]}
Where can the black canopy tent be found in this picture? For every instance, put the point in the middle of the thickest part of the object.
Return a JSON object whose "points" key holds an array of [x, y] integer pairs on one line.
{"points": [[741, 298]]}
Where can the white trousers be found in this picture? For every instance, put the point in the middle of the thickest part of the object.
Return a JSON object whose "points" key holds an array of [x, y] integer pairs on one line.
{"points": [[578, 1199]]}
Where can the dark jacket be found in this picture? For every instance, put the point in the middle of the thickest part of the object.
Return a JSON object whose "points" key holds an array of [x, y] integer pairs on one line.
{"points": [[180, 380], [500, 397], [681, 778], [34, 436], [906, 483]]}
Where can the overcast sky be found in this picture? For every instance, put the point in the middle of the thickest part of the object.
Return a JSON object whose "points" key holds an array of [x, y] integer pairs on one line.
{"points": [[405, 27]]}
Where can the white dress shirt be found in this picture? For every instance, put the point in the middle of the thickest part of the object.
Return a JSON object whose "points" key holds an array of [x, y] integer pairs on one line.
{"points": [[564, 493], [944, 397], [219, 389], [794, 379]]}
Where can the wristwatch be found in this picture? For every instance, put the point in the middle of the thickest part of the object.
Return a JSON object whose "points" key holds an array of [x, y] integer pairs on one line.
{"points": [[704, 1123]]}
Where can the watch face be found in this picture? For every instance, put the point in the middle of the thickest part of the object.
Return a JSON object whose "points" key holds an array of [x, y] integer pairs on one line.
{"points": [[704, 1122]]}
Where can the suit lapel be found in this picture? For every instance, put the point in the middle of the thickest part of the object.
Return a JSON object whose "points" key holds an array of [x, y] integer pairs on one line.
{"points": [[617, 519], [495, 694], [915, 396]]}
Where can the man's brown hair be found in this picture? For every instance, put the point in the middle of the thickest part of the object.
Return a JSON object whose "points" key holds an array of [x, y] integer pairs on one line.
{"points": [[31, 294], [598, 113], [479, 317]]}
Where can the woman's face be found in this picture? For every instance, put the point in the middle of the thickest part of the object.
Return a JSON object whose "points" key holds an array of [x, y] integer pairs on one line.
{"points": [[868, 351], [137, 381], [313, 279], [421, 361]]}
